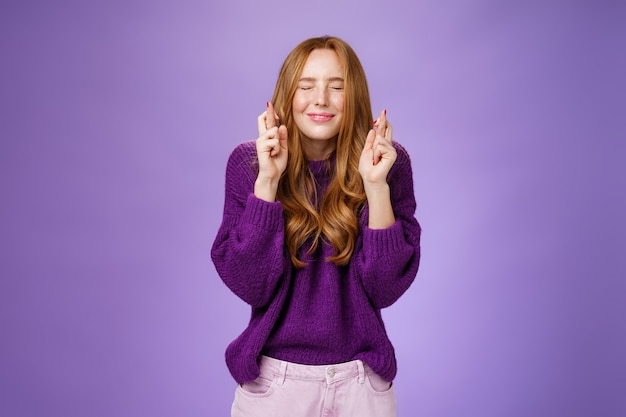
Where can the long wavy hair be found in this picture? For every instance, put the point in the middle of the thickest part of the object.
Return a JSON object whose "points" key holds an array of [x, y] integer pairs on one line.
{"points": [[336, 220]]}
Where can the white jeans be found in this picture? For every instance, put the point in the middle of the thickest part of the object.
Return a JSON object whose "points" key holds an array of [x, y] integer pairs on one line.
{"points": [[285, 389]]}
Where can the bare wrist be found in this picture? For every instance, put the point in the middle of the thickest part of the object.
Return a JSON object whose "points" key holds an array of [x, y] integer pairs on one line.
{"points": [[375, 189], [265, 189]]}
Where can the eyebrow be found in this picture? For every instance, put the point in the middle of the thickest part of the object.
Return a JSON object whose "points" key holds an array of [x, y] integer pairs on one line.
{"points": [[331, 79]]}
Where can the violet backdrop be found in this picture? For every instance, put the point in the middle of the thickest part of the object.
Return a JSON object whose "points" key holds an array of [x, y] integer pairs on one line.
{"points": [[116, 122]]}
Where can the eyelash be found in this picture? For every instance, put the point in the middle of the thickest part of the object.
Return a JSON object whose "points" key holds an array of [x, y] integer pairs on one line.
{"points": [[332, 88]]}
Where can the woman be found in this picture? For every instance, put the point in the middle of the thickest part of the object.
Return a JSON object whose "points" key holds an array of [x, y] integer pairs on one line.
{"points": [[318, 235]]}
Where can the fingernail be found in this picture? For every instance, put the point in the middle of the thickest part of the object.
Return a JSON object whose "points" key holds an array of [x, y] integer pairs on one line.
{"points": [[267, 104], [374, 122], [385, 112]]}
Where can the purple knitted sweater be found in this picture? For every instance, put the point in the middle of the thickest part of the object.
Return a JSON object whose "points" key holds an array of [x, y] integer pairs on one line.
{"points": [[320, 314]]}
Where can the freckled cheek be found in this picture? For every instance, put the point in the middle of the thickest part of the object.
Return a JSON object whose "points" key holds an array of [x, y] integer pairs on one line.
{"points": [[338, 102], [299, 104]]}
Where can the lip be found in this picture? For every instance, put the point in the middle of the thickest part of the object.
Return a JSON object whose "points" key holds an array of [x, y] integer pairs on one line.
{"points": [[320, 117]]}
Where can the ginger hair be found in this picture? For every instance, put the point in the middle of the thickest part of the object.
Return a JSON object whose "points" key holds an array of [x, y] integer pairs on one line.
{"points": [[337, 218]]}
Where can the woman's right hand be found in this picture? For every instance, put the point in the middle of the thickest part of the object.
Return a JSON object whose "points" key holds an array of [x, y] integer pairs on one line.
{"points": [[271, 149]]}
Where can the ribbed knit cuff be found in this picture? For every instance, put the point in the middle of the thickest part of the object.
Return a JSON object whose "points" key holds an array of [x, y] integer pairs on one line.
{"points": [[263, 214], [379, 243]]}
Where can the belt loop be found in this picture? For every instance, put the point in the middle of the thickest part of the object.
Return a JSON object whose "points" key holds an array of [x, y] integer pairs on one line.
{"points": [[282, 373], [359, 365]]}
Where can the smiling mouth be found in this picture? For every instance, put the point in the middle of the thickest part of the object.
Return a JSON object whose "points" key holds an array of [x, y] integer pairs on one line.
{"points": [[320, 117]]}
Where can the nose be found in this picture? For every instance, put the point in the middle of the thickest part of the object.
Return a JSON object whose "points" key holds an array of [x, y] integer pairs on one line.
{"points": [[321, 97]]}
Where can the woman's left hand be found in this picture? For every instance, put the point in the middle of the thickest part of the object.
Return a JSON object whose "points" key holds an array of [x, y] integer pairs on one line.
{"points": [[378, 154]]}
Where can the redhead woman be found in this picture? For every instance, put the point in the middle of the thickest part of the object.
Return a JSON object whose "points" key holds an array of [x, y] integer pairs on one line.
{"points": [[318, 235]]}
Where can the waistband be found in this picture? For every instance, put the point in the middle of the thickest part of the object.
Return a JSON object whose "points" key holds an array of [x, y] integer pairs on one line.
{"points": [[277, 369]]}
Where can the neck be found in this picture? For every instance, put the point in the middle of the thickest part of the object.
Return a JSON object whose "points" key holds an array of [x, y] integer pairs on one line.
{"points": [[318, 150]]}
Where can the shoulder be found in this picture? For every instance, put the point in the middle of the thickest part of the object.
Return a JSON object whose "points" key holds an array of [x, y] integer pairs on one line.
{"points": [[244, 152], [403, 160], [242, 159], [400, 177]]}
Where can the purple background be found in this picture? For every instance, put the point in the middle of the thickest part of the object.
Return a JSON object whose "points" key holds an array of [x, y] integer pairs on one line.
{"points": [[116, 120]]}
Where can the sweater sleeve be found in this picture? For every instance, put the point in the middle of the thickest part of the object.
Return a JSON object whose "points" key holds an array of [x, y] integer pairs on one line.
{"points": [[387, 260], [248, 249]]}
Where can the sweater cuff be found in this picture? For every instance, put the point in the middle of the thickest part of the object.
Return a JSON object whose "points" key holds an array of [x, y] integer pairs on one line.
{"points": [[379, 243], [263, 214]]}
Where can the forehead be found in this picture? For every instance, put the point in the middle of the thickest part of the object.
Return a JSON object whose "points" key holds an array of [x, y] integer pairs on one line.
{"points": [[322, 63]]}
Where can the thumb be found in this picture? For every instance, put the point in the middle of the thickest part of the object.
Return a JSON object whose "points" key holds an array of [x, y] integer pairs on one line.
{"points": [[369, 141], [282, 136]]}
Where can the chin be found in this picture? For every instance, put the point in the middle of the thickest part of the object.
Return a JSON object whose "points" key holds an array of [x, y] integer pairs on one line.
{"points": [[321, 137], [321, 134]]}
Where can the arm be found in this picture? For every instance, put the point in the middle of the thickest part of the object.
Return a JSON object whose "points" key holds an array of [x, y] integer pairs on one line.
{"points": [[248, 249], [377, 158], [271, 149], [387, 259]]}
